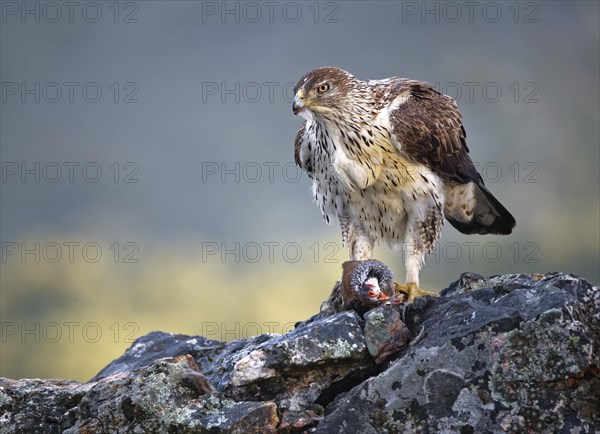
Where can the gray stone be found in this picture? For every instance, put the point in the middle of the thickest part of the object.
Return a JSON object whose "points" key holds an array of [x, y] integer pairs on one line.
{"points": [[385, 332], [513, 353]]}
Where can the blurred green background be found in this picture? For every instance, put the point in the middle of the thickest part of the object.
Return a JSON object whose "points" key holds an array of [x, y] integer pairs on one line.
{"points": [[147, 176]]}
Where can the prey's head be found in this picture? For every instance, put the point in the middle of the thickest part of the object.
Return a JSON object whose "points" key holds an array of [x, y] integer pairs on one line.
{"points": [[368, 283], [322, 92], [370, 293]]}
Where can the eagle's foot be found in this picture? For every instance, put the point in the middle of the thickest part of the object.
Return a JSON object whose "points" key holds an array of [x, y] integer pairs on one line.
{"points": [[411, 291]]}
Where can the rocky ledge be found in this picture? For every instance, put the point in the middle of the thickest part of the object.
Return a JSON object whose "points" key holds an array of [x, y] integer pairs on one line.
{"points": [[512, 353]]}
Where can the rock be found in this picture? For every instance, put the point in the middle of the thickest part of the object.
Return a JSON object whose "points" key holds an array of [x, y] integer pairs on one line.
{"points": [[513, 353], [32, 406], [385, 333]]}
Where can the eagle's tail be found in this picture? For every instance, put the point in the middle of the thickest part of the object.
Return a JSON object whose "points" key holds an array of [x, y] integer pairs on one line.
{"points": [[487, 215]]}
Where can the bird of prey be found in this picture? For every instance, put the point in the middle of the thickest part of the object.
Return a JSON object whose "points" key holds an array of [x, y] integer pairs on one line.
{"points": [[389, 160]]}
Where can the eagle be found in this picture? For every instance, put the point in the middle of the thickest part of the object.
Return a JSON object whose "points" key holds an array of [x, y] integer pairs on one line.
{"points": [[389, 161]]}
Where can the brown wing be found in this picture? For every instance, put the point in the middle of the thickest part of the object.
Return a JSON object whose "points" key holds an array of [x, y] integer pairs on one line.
{"points": [[303, 159], [297, 145], [430, 131]]}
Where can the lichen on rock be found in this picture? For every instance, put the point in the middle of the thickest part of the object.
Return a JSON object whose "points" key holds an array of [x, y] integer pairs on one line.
{"points": [[512, 353]]}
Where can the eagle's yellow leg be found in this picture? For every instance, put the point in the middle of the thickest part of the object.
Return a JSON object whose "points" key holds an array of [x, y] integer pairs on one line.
{"points": [[412, 290]]}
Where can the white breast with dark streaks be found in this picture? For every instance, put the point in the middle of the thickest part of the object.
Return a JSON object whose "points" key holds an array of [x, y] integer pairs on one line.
{"points": [[380, 208]]}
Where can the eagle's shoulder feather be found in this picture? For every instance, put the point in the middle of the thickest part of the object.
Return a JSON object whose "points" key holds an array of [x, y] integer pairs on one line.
{"points": [[429, 129], [298, 144], [302, 155]]}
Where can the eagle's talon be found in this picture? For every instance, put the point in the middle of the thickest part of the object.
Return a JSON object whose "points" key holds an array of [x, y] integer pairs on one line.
{"points": [[411, 290]]}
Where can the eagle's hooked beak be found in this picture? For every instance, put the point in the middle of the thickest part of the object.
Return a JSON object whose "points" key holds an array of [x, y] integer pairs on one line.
{"points": [[298, 102]]}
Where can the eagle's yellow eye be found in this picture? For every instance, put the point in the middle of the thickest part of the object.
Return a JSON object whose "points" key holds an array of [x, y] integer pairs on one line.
{"points": [[323, 87]]}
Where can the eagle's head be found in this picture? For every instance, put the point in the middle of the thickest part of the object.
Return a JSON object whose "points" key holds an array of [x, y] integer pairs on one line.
{"points": [[323, 92]]}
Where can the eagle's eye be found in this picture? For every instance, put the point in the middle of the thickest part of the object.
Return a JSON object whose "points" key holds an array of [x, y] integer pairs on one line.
{"points": [[323, 87]]}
